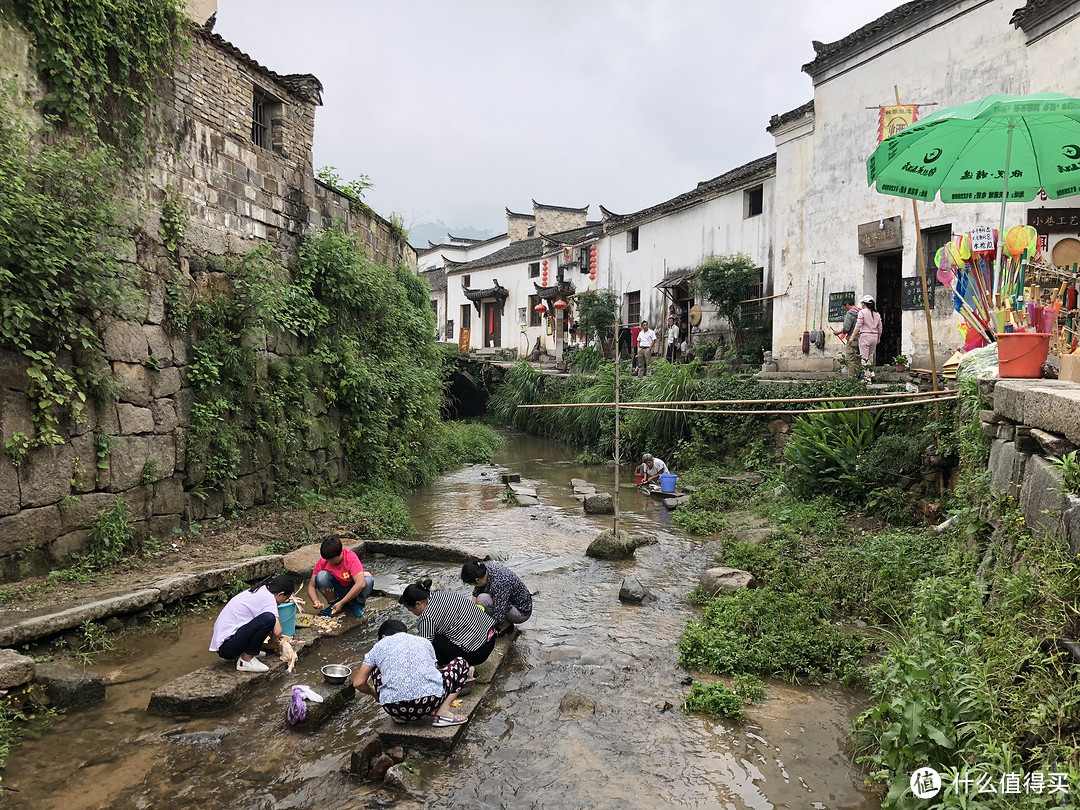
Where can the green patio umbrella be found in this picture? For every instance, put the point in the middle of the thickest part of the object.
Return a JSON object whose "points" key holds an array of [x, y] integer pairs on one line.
{"points": [[1000, 149]]}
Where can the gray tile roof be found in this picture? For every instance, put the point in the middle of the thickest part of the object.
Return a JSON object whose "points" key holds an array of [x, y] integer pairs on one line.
{"points": [[884, 26], [527, 250], [790, 115], [706, 190], [302, 85]]}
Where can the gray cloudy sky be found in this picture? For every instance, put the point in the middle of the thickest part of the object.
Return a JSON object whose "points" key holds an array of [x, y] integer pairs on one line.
{"points": [[459, 109]]}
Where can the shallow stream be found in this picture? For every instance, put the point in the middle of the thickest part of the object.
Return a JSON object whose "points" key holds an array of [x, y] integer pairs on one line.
{"points": [[518, 752]]}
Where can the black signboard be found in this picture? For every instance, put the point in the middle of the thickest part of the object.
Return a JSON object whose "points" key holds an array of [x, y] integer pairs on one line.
{"points": [[911, 293], [836, 305]]}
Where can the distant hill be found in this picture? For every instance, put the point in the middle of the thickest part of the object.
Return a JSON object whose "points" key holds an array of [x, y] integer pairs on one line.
{"points": [[423, 232]]}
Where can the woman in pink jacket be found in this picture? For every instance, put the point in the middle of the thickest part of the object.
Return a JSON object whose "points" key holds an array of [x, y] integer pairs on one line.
{"points": [[867, 330]]}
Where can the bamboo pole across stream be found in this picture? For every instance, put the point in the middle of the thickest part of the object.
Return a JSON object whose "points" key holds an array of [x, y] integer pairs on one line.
{"points": [[905, 395], [772, 412]]}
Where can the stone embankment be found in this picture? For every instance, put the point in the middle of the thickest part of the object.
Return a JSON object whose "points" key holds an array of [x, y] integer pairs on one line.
{"points": [[1031, 421]]}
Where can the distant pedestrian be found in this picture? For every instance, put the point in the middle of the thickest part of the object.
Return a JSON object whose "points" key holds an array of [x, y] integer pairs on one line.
{"points": [[645, 340], [672, 339]]}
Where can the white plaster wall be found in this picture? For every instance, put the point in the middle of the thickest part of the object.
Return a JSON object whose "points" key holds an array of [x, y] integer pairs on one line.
{"points": [[823, 195], [684, 240]]}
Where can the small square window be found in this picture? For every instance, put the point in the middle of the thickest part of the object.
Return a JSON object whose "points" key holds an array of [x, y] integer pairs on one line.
{"points": [[534, 316], [631, 240], [465, 281], [534, 270], [633, 308], [531, 231], [755, 201]]}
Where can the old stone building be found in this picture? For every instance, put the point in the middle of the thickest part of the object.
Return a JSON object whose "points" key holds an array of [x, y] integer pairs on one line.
{"points": [[235, 151]]}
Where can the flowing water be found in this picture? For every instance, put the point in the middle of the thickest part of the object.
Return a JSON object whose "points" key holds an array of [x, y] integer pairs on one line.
{"points": [[636, 750]]}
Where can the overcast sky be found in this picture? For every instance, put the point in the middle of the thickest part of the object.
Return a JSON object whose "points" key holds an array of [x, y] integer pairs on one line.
{"points": [[457, 110]]}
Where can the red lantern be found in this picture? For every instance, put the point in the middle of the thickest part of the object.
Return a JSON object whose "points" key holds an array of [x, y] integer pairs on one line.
{"points": [[543, 266], [560, 304], [592, 252], [592, 276], [540, 308]]}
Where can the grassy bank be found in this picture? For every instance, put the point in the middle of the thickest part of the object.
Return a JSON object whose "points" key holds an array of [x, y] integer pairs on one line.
{"points": [[950, 633]]}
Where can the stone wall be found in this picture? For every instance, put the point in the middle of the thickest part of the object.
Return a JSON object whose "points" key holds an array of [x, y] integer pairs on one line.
{"points": [[237, 196], [555, 219], [1030, 421]]}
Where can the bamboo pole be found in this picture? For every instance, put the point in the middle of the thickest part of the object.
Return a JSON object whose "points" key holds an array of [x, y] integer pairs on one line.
{"points": [[943, 398], [618, 459], [925, 293], [808, 400]]}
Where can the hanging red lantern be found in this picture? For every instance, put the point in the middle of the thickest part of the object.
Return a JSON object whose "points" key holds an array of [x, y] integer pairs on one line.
{"points": [[540, 308], [559, 305], [592, 276], [592, 252]]}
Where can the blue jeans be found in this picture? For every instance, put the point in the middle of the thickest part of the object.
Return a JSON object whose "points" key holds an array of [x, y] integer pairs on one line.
{"points": [[325, 581], [249, 638]]}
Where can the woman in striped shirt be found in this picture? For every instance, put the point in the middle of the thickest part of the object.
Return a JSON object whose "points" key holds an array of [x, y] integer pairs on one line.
{"points": [[456, 627]]}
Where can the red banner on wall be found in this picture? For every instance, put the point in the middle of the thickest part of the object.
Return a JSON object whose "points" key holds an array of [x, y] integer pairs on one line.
{"points": [[895, 119]]}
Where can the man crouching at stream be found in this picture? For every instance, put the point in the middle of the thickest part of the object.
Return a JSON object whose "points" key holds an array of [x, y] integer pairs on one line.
{"points": [[500, 592]]}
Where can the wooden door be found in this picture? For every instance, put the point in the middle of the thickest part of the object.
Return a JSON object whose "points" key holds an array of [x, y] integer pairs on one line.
{"points": [[492, 325]]}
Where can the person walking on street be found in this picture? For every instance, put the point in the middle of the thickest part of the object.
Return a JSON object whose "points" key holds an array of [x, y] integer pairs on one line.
{"points": [[645, 340], [868, 331], [672, 339], [851, 344]]}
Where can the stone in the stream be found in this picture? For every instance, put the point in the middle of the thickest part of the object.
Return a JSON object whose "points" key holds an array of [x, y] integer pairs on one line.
{"points": [[607, 546], [725, 579], [396, 753], [67, 688], [671, 504], [599, 504], [367, 749], [578, 482], [15, 669], [334, 696], [510, 478], [633, 591], [379, 766], [576, 706], [527, 500], [584, 490], [520, 489], [401, 779]]}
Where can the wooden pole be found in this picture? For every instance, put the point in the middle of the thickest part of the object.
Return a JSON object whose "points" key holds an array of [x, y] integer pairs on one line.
{"points": [[925, 293], [805, 401], [618, 460]]}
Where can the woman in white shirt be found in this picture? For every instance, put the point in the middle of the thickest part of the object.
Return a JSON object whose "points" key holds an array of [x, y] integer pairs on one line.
{"points": [[247, 619]]}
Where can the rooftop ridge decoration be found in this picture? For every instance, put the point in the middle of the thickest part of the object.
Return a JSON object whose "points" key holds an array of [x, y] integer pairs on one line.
{"points": [[536, 205], [561, 290], [303, 86], [777, 121], [893, 22], [1036, 12], [510, 213]]}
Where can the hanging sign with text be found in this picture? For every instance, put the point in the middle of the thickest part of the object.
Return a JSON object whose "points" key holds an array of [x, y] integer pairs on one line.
{"points": [[982, 240], [1054, 220], [836, 305], [880, 235]]}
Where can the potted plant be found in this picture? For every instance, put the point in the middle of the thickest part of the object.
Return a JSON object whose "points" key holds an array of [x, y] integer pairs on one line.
{"points": [[901, 362]]}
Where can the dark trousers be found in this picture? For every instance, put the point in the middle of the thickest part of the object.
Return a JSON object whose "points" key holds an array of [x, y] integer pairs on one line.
{"points": [[446, 650], [249, 638]]}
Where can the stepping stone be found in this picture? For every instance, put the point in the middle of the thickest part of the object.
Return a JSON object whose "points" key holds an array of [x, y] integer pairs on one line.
{"points": [[523, 490], [510, 478], [425, 737], [674, 503], [527, 500], [579, 482], [584, 490], [599, 504], [67, 688]]}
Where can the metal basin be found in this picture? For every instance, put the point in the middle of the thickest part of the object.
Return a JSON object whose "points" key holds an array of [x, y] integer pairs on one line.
{"points": [[336, 673]]}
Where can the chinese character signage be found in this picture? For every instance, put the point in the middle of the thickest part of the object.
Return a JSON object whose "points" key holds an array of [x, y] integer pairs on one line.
{"points": [[895, 119], [1054, 220]]}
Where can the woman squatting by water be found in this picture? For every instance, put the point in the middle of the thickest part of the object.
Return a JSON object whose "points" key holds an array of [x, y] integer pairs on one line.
{"points": [[247, 619], [453, 623], [500, 592], [400, 672]]}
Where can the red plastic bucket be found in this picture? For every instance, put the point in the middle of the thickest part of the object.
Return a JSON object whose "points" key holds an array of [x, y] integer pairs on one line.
{"points": [[1022, 354]]}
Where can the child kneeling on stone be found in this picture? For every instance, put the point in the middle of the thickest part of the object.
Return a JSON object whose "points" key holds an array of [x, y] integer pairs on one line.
{"points": [[406, 682], [247, 619]]}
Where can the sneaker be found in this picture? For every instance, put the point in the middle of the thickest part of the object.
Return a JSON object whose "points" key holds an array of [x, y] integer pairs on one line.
{"points": [[358, 610], [327, 611], [443, 720], [254, 665]]}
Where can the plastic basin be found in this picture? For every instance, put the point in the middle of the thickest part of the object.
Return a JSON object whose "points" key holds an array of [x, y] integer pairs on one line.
{"points": [[1021, 354]]}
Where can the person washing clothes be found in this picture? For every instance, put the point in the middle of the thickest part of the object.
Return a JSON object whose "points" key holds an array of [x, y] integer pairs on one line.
{"points": [[455, 625], [340, 579], [500, 592], [247, 619], [652, 468]]}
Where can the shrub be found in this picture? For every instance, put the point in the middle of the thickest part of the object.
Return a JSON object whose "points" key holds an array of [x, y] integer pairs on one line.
{"points": [[824, 450]]}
